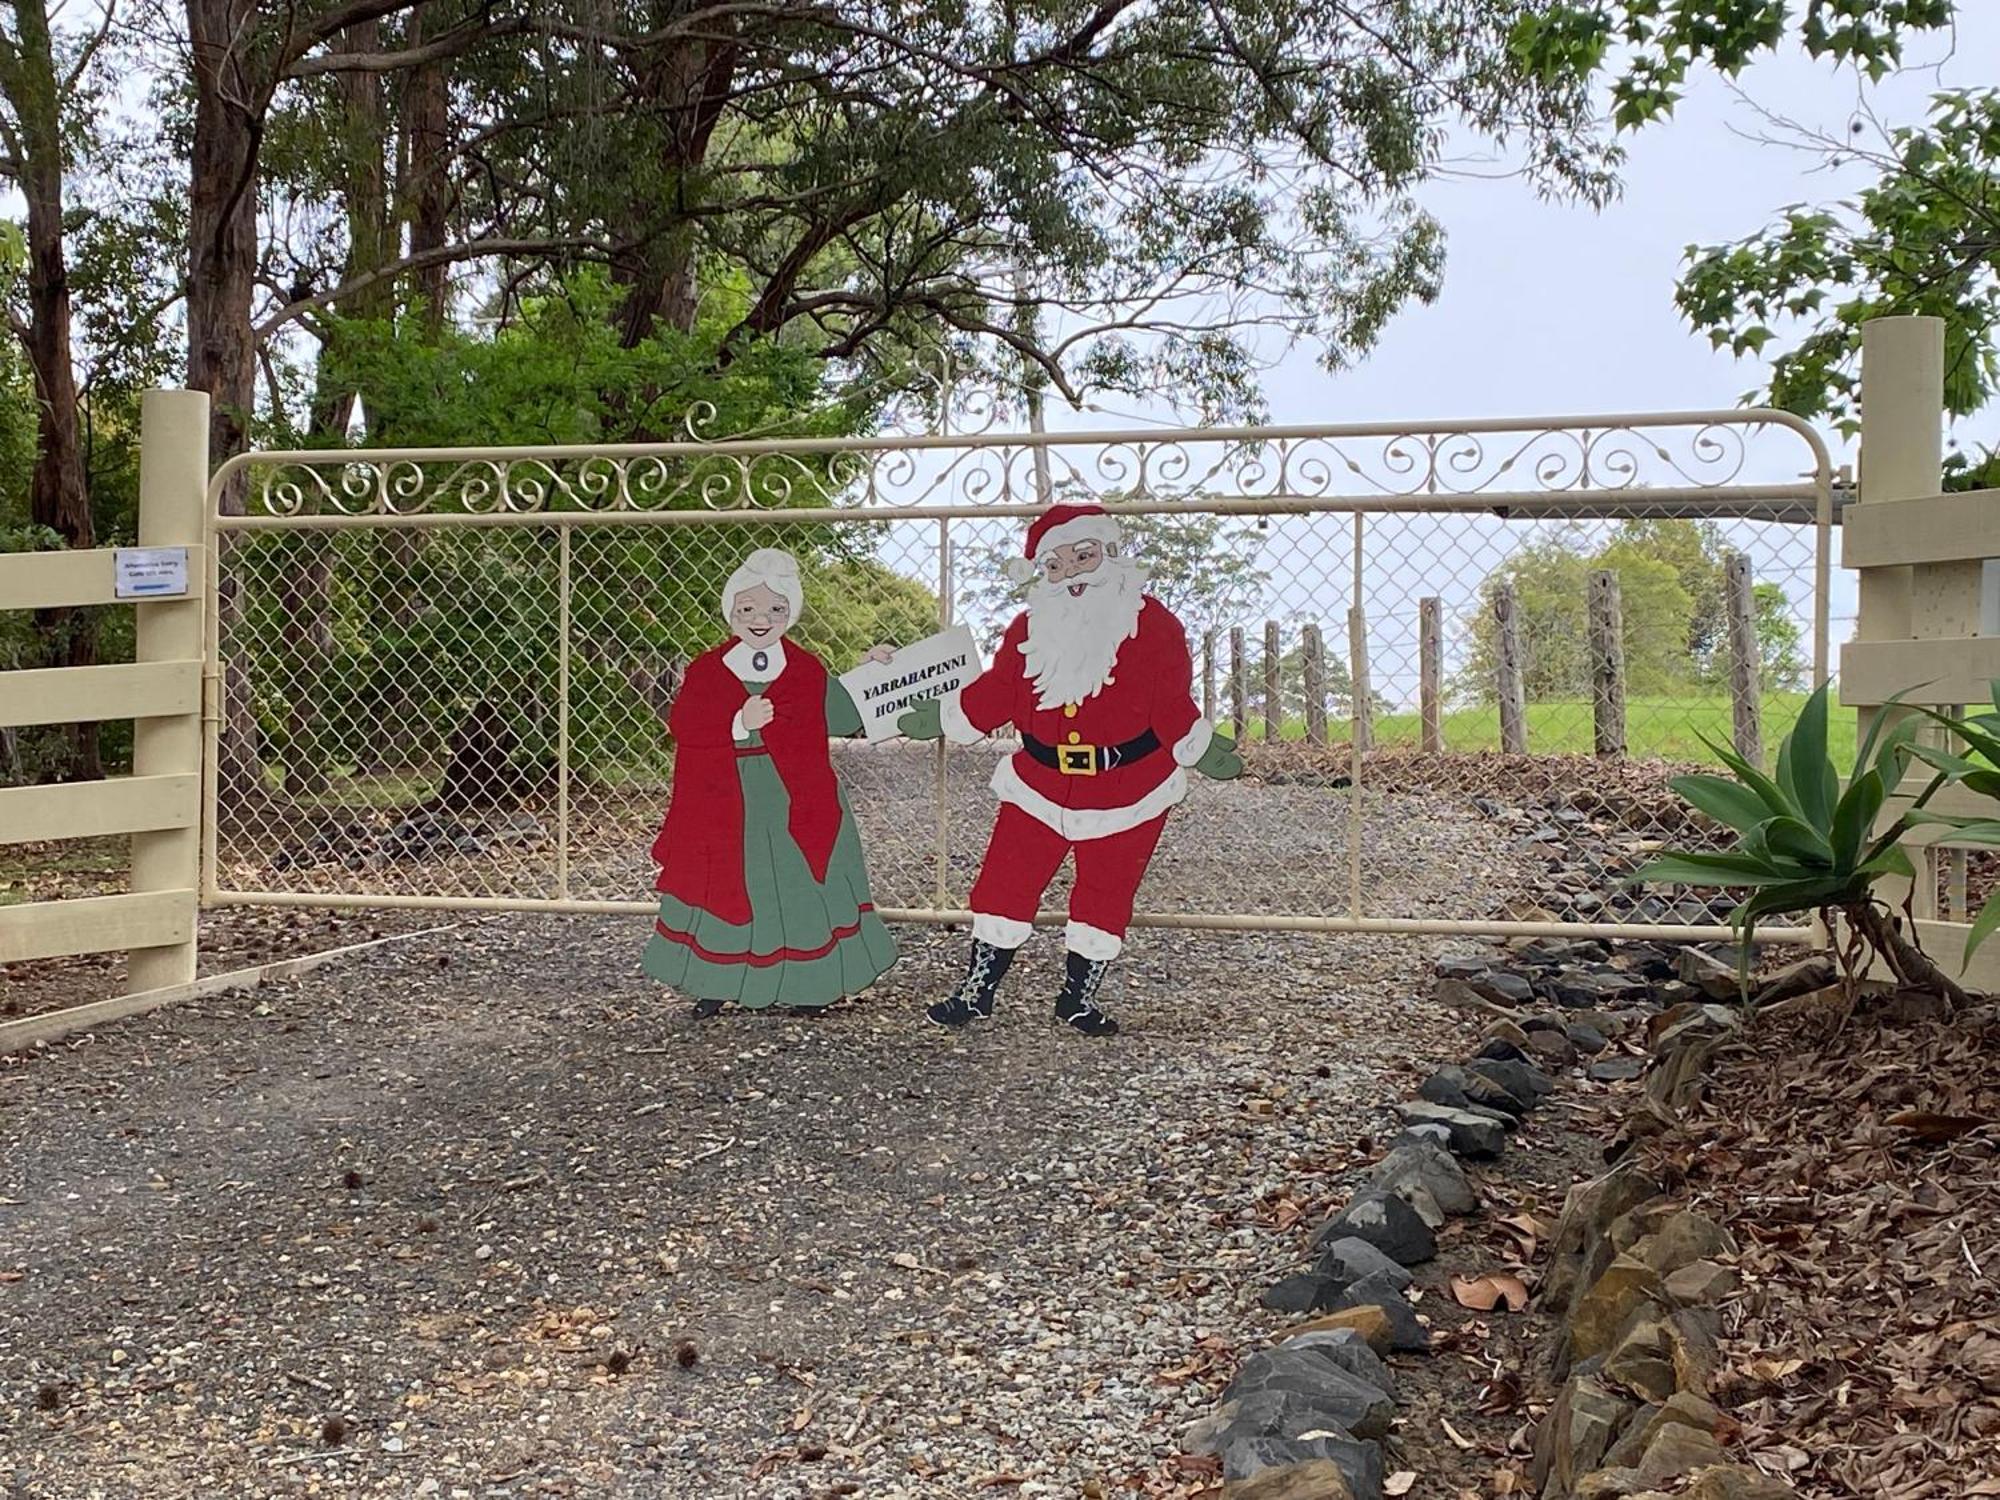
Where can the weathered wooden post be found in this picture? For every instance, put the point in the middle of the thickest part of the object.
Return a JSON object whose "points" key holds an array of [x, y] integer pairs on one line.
{"points": [[1746, 662], [1239, 673], [1208, 674], [1274, 708], [1357, 672], [1513, 698], [1430, 674], [1607, 665], [1315, 684]]}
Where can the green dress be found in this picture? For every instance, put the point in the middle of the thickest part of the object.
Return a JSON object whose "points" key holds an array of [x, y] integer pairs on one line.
{"points": [[807, 943]]}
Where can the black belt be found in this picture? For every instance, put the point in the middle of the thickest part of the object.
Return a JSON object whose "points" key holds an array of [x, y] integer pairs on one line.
{"points": [[1088, 760]]}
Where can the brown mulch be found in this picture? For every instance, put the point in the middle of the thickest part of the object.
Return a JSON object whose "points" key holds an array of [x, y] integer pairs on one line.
{"points": [[1859, 1168]]}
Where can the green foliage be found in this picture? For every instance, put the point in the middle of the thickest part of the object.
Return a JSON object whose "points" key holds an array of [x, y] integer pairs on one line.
{"points": [[1671, 586], [1978, 772], [1655, 43], [1803, 844], [1918, 240]]}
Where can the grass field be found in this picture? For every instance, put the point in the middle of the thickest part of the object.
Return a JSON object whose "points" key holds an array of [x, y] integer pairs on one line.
{"points": [[1655, 728]]}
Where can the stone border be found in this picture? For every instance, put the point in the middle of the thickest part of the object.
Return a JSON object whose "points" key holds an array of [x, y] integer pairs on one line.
{"points": [[1635, 1281]]}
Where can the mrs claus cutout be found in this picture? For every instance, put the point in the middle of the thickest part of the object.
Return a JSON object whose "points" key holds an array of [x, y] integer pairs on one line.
{"points": [[763, 889], [1096, 676]]}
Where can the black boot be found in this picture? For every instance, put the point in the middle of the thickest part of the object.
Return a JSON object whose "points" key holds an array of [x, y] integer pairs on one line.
{"points": [[973, 999], [707, 1010], [1077, 1005]]}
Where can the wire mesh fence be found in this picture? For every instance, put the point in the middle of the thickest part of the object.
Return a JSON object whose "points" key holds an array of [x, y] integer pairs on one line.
{"points": [[1459, 700]]}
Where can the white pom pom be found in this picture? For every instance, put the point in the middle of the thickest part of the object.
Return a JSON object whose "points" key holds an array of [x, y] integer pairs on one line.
{"points": [[1019, 569]]}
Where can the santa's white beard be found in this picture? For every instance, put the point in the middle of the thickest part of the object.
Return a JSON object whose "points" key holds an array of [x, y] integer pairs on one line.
{"points": [[1073, 639]]}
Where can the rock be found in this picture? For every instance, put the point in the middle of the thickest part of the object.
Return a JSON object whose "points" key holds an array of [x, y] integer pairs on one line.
{"points": [[1615, 1069], [1260, 1414], [1551, 1049], [1588, 1213], [1546, 1020], [1349, 1350], [1371, 1322], [1348, 1260], [1268, 1469], [1462, 965], [1680, 1240], [1586, 1039], [1431, 1172], [1522, 1080], [1505, 1031], [1503, 987], [1676, 1411], [1707, 974], [1477, 1090], [1676, 1451], [1801, 978], [1597, 1317], [1406, 1332], [1736, 1482], [1702, 1284], [1422, 1135], [1642, 1361], [1474, 1135], [1576, 1434], [1460, 995], [1586, 991], [1304, 1291], [1344, 1399], [1386, 1222], [1503, 1050]]}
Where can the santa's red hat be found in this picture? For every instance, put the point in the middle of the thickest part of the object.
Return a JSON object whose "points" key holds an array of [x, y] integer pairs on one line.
{"points": [[1061, 525]]}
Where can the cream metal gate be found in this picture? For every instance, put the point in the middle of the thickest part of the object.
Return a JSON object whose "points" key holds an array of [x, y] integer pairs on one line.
{"points": [[439, 673]]}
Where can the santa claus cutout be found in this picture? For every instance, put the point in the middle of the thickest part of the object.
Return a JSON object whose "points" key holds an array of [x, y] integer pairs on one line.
{"points": [[1096, 676]]}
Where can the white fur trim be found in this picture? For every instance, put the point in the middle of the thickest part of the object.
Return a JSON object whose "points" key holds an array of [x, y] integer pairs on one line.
{"points": [[1194, 744], [1092, 942], [1083, 529], [1078, 824], [957, 728], [1001, 932]]}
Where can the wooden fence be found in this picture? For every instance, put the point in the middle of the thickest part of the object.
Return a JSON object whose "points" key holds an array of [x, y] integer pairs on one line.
{"points": [[1922, 557], [161, 691], [1230, 658]]}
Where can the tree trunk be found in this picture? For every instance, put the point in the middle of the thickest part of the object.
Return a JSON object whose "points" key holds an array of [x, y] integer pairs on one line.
{"points": [[59, 496], [232, 95], [425, 188]]}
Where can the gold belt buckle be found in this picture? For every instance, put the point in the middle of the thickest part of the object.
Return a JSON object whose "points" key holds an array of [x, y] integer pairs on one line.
{"points": [[1076, 760]]}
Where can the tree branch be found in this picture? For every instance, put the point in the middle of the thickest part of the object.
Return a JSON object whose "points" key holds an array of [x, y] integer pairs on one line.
{"points": [[442, 255]]}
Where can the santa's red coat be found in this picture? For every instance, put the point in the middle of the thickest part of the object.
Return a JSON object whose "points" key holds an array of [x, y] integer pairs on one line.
{"points": [[1150, 686]]}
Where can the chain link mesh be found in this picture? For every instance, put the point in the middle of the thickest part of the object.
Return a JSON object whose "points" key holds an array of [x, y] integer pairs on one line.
{"points": [[469, 706]]}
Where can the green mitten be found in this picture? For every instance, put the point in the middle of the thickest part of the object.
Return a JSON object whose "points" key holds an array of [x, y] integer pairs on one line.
{"points": [[923, 721], [1219, 761]]}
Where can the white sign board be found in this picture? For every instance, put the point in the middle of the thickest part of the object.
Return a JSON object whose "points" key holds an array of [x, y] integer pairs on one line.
{"points": [[150, 572], [934, 666]]}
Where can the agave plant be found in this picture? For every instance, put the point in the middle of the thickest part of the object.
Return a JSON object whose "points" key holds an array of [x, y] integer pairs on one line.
{"points": [[1803, 844]]}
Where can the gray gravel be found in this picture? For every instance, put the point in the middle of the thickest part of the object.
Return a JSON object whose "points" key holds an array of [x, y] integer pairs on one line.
{"points": [[438, 1196]]}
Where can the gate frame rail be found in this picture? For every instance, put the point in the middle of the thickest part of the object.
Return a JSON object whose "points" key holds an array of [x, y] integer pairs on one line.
{"points": [[1583, 501]]}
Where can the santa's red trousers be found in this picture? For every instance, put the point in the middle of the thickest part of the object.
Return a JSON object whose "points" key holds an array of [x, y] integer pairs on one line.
{"points": [[1024, 853]]}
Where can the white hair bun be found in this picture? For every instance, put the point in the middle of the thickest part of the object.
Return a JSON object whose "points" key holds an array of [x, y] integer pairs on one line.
{"points": [[774, 568]]}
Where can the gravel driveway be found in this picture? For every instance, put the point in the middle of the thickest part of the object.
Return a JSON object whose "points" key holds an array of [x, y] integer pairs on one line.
{"points": [[478, 1214]]}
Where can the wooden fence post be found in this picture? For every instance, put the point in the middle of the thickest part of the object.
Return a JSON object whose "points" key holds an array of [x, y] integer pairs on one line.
{"points": [[1607, 665], [1239, 685], [1315, 675], [1746, 662], [1430, 673], [1362, 700], [173, 507], [1513, 699], [1208, 674], [1274, 708]]}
